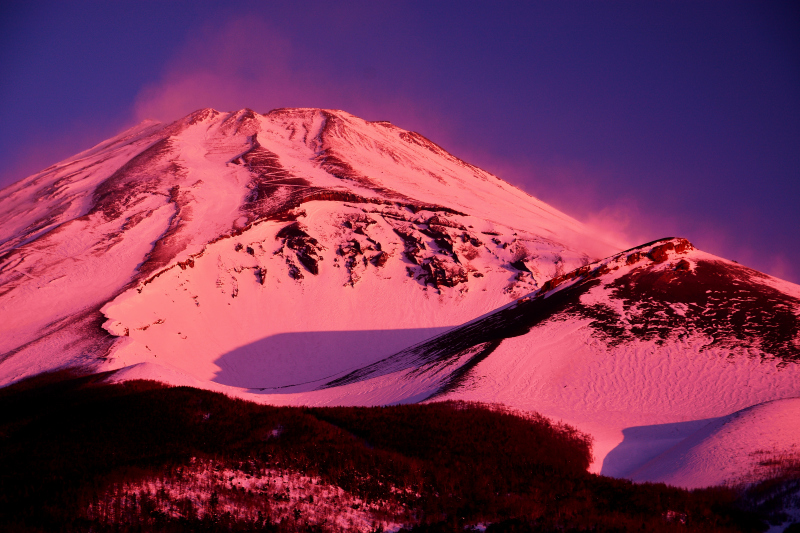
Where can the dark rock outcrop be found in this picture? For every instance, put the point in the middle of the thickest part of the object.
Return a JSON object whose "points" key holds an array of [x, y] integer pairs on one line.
{"points": [[441, 273], [305, 247]]}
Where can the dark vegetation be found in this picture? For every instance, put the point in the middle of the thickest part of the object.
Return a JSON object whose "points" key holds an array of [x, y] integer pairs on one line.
{"points": [[778, 492], [68, 441]]}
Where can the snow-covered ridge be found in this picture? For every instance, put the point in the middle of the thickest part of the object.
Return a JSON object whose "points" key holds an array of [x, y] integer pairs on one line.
{"points": [[640, 371], [619, 315], [245, 311]]}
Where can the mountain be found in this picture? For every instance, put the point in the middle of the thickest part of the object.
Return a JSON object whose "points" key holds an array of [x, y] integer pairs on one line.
{"points": [[380, 222], [308, 257]]}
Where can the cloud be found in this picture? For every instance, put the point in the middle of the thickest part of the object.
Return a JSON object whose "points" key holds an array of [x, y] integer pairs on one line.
{"points": [[725, 243], [247, 62], [624, 220], [780, 266], [582, 192]]}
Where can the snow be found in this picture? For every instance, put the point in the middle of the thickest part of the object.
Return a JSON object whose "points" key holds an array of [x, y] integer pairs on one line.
{"points": [[560, 371], [638, 400], [72, 268], [731, 450], [277, 334]]}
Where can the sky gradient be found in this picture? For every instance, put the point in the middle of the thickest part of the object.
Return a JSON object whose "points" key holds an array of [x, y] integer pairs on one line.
{"points": [[644, 119]]}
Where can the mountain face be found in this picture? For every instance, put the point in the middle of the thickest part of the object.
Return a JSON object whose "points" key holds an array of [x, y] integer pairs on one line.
{"points": [[308, 257]]}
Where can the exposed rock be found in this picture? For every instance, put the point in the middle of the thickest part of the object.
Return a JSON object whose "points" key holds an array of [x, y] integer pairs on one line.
{"points": [[234, 287], [413, 244], [442, 273], [659, 253], [359, 223], [294, 271], [441, 237], [380, 259], [581, 272], [188, 263], [469, 252], [409, 238], [634, 258], [291, 231], [474, 241], [352, 247], [447, 245], [305, 247], [743, 314], [520, 265], [309, 262], [439, 220], [683, 245], [351, 251], [261, 275]]}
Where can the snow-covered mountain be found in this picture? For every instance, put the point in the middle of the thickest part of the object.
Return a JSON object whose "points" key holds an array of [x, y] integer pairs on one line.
{"points": [[306, 220], [306, 256]]}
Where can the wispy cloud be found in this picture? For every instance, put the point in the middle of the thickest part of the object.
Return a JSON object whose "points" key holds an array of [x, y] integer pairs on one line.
{"points": [[624, 220], [581, 192], [247, 62]]}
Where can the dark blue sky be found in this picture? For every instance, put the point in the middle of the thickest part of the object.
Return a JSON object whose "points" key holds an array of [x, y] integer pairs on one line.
{"points": [[646, 119]]}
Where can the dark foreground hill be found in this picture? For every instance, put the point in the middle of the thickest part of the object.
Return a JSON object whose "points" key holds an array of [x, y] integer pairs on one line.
{"points": [[81, 455]]}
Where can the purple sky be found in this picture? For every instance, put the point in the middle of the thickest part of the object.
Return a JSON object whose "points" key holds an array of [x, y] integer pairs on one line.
{"points": [[645, 119]]}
